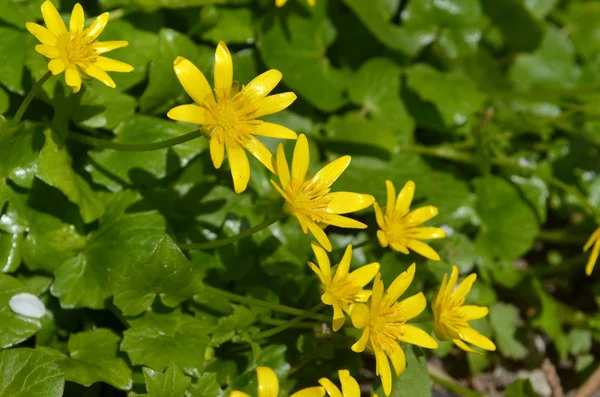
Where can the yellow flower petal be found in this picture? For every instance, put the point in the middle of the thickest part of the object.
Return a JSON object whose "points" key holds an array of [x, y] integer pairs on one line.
{"points": [[217, 149], [342, 221], [383, 239], [281, 167], [471, 312], [237, 393], [112, 65], [56, 66], [377, 290], [262, 84], [322, 260], [52, 19], [73, 77], [268, 385], [420, 215], [391, 199], [319, 273], [401, 284], [360, 316], [404, 199], [315, 391], [338, 318], [188, 114], [464, 346], [463, 288], [77, 19], [472, 336], [384, 371], [452, 280], [364, 274], [379, 217], [589, 267], [47, 50], [238, 162], [346, 202], [102, 47], [412, 306], [300, 161], [272, 130], [328, 174], [280, 3], [593, 238], [223, 74], [97, 26], [97, 73], [398, 359], [274, 103], [193, 81], [320, 235], [416, 336], [260, 151], [350, 387], [398, 247], [422, 249], [41, 33], [423, 233], [344, 265], [330, 387]]}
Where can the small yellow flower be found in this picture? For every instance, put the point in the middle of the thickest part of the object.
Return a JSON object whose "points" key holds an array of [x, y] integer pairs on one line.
{"points": [[342, 289], [595, 241], [384, 324], [268, 386], [452, 316], [310, 201], [399, 227], [73, 51], [350, 387], [229, 117], [281, 3]]}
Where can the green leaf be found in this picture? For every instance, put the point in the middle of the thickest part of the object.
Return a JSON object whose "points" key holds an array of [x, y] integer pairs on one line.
{"points": [[240, 320], [167, 273], [354, 129], [501, 207], [10, 252], [100, 106], [19, 12], [4, 101], [415, 381], [233, 25], [580, 341], [28, 373], [455, 96], [520, 388], [207, 386], [521, 29], [535, 192], [157, 340], [54, 168], [83, 281], [376, 88], [297, 45], [163, 87], [504, 319], [19, 151], [584, 29], [14, 328], [93, 357], [171, 383], [12, 57], [550, 320]]}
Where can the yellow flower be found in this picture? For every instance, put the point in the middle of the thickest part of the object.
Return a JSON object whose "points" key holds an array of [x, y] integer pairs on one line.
{"points": [[281, 3], [399, 227], [384, 323], [350, 387], [595, 241], [268, 386], [229, 117], [452, 316], [73, 51], [310, 201], [343, 289]]}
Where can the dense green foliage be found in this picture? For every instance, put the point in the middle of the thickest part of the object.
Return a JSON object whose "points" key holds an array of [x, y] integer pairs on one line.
{"points": [[490, 107]]}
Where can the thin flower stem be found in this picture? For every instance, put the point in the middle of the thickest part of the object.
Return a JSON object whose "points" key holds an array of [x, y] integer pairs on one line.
{"points": [[232, 239], [425, 319], [455, 387], [267, 305], [134, 147], [276, 322], [30, 95], [283, 327], [560, 236]]}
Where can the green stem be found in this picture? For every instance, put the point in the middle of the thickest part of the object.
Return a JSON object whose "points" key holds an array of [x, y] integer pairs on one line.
{"points": [[455, 387], [561, 236], [283, 327], [267, 305], [440, 152], [232, 239], [30, 95], [276, 322], [134, 147]]}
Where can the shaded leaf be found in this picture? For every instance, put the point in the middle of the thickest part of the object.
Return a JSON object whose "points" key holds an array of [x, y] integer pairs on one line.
{"points": [[171, 383], [28, 373]]}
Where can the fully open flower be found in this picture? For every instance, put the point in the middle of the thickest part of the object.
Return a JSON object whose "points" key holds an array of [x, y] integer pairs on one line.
{"points": [[74, 51], [595, 241], [268, 386], [229, 117], [342, 289], [281, 3], [452, 316], [385, 325], [400, 228], [350, 387], [310, 201]]}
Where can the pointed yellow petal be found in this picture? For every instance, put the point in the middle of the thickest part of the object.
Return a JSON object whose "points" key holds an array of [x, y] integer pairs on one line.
{"points": [[589, 267], [391, 198], [272, 130], [281, 167], [41, 33], [193, 81], [404, 199], [420, 215], [593, 238], [97, 73], [423, 249], [346, 202], [268, 385], [97, 26], [398, 359], [412, 306], [73, 77], [300, 161], [77, 19], [223, 74], [360, 344], [102, 47], [273, 104], [319, 273], [364, 274], [472, 336], [338, 318], [112, 65], [320, 235], [217, 149], [56, 66], [260, 151], [280, 3], [344, 264], [423, 233], [416, 336], [342, 221], [328, 174], [464, 346], [401, 284], [52, 19], [262, 85], [383, 370], [285, 196], [331, 388], [471, 312], [399, 247], [238, 162], [377, 290], [379, 217], [237, 393], [188, 114], [315, 391], [47, 50], [451, 281], [322, 260], [350, 387], [362, 296], [383, 239], [464, 287]]}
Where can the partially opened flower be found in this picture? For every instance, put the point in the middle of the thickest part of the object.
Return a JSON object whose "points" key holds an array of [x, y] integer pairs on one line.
{"points": [[268, 386], [310, 200], [281, 3], [350, 387], [230, 117], [595, 241], [75, 51], [400, 229], [452, 316], [384, 324], [342, 289]]}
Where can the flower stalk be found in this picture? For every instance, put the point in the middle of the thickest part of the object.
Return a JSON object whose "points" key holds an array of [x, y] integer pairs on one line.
{"points": [[134, 147], [30, 95]]}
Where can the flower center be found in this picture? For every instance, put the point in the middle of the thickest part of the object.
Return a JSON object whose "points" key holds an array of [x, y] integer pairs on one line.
{"points": [[312, 207], [227, 118], [344, 291], [74, 48]]}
